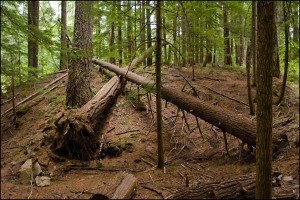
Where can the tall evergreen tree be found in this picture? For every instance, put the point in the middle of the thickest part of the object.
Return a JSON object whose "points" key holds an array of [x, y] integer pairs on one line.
{"points": [[63, 51], [78, 87], [160, 148], [265, 50], [33, 23]]}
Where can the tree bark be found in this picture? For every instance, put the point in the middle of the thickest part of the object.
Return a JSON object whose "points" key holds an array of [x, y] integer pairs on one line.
{"points": [[120, 52], [142, 27], [265, 49], [149, 38], [158, 83], [63, 49], [33, 23], [237, 188], [253, 40], [75, 128], [228, 121], [126, 188], [75, 136], [129, 34], [227, 52], [78, 87], [286, 52], [242, 187], [112, 59], [248, 63]]}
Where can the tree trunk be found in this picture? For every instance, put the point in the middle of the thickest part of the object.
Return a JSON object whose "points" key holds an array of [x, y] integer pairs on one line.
{"points": [[265, 49], [149, 38], [78, 87], [129, 33], [120, 52], [229, 121], [276, 65], [238, 188], [33, 23], [253, 40], [158, 83], [248, 64], [75, 128], [75, 136], [175, 19], [63, 48], [286, 52], [242, 187], [143, 27], [112, 59], [227, 52]]}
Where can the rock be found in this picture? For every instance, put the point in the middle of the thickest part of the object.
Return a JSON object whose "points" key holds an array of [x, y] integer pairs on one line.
{"points": [[42, 181], [36, 169], [25, 172], [288, 178]]}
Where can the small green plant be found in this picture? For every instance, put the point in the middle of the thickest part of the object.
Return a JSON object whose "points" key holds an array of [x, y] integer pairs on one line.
{"points": [[99, 164]]}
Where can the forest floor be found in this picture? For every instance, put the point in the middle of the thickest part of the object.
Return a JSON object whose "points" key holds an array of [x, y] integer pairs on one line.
{"points": [[201, 158]]}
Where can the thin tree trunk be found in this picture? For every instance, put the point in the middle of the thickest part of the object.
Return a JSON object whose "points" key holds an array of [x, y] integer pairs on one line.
{"points": [[33, 23], [248, 64], [120, 52], [265, 49], [253, 39], [160, 148], [129, 33], [112, 59], [63, 49], [175, 38], [149, 38], [227, 52], [143, 28], [286, 53]]}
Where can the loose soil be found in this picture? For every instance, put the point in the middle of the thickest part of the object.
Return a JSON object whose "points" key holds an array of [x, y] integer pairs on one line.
{"points": [[189, 154]]}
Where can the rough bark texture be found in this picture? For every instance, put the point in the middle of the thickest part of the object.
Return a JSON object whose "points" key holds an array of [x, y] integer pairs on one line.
{"points": [[238, 188], [227, 53], [75, 128], [286, 52], [63, 49], [227, 120], [33, 23], [112, 59], [160, 148], [265, 50], [120, 51], [78, 87], [253, 40], [129, 33], [242, 187], [248, 63]]}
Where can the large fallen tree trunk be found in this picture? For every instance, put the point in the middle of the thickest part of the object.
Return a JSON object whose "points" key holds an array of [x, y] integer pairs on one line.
{"points": [[75, 136], [75, 128], [237, 188], [228, 121]]}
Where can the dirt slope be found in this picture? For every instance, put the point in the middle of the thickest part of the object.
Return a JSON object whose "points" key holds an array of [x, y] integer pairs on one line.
{"points": [[130, 127]]}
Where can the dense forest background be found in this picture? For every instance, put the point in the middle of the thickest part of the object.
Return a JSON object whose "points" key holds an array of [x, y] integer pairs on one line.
{"points": [[216, 33]]}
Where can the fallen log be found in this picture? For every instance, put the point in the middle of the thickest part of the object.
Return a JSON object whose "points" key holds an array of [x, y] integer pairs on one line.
{"points": [[126, 188], [35, 94], [75, 136], [75, 128], [227, 120], [237, 188]]}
